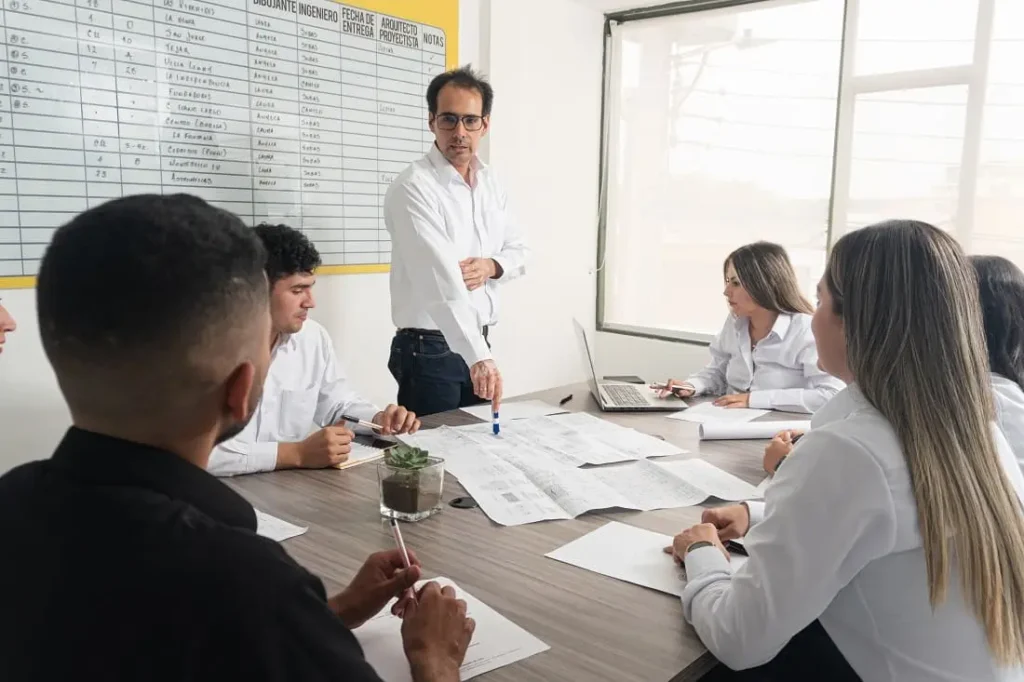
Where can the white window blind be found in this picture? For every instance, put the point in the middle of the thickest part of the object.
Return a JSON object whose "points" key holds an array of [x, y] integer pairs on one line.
{"points": [[761, 122]]}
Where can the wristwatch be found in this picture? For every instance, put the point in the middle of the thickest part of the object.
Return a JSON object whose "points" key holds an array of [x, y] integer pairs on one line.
{"points": [[698, 545]]}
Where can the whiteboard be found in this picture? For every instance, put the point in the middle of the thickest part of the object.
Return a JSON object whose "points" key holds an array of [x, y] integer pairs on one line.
{"points": [[293, 111]]}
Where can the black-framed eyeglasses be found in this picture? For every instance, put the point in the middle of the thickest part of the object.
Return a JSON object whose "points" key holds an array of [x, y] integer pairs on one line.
{"points": [[470, 122]]}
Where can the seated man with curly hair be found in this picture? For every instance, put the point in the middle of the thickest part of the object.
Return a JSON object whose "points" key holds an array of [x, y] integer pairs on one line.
{"points": [[305, 386]]}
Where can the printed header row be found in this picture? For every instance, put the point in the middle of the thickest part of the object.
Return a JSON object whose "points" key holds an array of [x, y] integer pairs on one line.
{"points": [[339, 20], [348, 19]]}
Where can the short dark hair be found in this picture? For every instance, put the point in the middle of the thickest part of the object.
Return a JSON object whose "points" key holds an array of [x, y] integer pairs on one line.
{"points": [[143, 284], [1001, 287], [765, 271], [463, 77], [289, 252]]}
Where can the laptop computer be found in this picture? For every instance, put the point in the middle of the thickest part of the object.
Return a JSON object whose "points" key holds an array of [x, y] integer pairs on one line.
{"points": [[616, 396]]}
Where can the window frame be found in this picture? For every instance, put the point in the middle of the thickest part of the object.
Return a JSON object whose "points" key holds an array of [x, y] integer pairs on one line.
{"points": [[973, 75]]}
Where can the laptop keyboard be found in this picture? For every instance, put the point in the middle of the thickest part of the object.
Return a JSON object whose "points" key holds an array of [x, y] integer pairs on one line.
{"points": [[625, 396]]}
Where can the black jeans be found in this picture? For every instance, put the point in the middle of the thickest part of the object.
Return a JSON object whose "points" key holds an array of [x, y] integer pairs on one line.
{"points": [[431, 378], [810, 655]]}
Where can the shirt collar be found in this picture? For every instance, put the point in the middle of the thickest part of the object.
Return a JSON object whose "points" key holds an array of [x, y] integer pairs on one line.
{"points": [[849, 400], [781, 325], [447, 170], [780, 328], [281, 341], [105, 460]]}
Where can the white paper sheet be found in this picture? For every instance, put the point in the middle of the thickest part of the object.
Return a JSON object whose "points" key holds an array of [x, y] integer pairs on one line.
{"points": [[710, 479], [763, 486], [750, 430], [709, 412], [507, 495], [629, 442], [523, 409], [360, 454], [647, 486], [497, 641], [460, 453], [630, 554], [515, 487], [276, 529], [567, 440], [543, 438]]}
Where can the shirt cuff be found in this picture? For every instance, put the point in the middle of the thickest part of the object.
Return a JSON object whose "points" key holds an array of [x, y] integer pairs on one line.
{"points": [[262, 457], [503, 266], [705, 560], [478, 351], [756, 510], [760, 400], [699, 387]]}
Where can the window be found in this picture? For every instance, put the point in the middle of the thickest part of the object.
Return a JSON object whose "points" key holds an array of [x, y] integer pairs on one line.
{"points": [[721, 129], [766, 121]]}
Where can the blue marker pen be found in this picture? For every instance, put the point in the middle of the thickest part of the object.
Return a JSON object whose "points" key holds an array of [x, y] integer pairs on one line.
{"points": [[496, 426]]}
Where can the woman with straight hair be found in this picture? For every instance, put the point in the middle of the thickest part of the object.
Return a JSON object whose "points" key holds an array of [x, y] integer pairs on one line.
{"points": [[1001, 286], [764, 356], [894, 531]]}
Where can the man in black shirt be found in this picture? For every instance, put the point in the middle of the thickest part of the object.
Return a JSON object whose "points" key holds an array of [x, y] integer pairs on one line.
{"points": [[123, 559]]}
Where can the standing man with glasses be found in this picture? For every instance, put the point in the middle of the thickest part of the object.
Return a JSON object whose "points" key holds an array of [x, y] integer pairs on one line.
{"points": [[7, 325], [453, 242]]}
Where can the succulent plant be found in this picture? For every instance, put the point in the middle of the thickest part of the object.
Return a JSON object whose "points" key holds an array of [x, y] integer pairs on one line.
{"points": [[404, 456]]}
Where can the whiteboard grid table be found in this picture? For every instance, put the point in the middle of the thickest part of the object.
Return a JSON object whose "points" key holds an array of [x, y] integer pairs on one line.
{"points": [[277, 110]]}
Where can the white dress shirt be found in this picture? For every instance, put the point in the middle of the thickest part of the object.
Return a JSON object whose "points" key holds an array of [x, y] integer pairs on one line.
{"points": [[838, 541], [304, 388], [780, 373], [1010, 413], [436, 220]]}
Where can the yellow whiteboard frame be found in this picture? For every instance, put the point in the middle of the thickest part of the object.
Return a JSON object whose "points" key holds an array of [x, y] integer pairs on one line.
{"points": [[443, 14]]}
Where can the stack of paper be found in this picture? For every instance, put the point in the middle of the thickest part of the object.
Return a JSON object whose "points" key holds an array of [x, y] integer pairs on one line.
{"points": [[274, 528], [524, 409], [514, 486], [628, 442], [497, 641], [570, 440], [709, 412], [630, 554], [531, 472]]}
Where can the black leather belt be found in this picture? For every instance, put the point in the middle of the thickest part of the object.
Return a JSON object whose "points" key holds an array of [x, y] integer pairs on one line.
{"points": [[412, 331]]}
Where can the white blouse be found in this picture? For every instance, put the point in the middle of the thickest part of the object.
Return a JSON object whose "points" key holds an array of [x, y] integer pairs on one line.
{"points": [[1010, 414], [839, 542], [780, 373]]}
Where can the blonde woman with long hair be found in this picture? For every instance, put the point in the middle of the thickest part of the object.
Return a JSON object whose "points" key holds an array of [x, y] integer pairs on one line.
{"points": [[896, 527], [764, 357]]}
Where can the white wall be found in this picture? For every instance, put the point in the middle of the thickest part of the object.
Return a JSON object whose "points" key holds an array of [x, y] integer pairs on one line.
{"points": [[550, 171], [545, 63]]}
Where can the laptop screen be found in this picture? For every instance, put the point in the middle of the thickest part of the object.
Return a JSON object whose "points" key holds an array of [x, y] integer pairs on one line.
{"points": [[581, 334]]}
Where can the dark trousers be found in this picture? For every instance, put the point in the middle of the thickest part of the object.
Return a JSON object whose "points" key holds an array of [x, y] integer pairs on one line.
{"points": [[431, 378], [810, 655]]}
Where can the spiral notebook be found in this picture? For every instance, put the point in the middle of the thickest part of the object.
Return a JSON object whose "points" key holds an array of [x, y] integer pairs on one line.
{"points": [[360, 454]]}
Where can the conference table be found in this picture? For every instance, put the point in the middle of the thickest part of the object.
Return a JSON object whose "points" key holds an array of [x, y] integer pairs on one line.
{"points": [[598, 628]]}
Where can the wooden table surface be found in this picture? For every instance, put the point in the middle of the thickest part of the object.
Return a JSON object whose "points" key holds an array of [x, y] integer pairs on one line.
{"points": [[598, 628]]}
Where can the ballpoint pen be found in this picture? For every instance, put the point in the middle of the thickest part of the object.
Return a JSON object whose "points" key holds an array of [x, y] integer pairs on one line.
{"points": [[397, 533], [362, 422]]}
